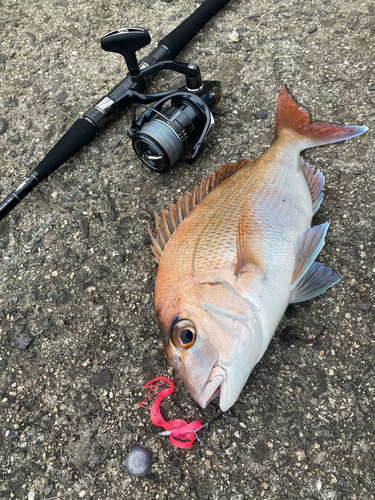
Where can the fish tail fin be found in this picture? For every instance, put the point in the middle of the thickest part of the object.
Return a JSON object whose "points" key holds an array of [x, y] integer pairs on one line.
{"points": [[293, 116]]}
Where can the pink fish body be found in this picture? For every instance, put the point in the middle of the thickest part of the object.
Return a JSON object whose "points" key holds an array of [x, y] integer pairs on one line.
{"points": [[233, 254]]}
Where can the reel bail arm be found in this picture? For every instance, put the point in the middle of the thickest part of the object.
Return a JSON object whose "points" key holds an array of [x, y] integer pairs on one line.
{"points": [[190, 70]]}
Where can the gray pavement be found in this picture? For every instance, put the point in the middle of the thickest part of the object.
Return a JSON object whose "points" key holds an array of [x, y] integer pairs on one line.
{"points": [[78, 334]]}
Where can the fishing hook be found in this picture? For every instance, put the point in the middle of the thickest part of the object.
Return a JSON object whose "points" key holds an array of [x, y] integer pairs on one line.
{"points": [[207, 425]]}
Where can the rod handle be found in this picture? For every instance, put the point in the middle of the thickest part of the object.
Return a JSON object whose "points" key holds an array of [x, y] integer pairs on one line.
{"points": [[181, 36]]}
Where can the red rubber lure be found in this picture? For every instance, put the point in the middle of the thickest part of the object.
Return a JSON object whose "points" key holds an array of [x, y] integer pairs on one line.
{"points": [[176, 428]]}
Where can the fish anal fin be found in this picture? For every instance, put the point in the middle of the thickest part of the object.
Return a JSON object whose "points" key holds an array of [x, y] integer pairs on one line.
{"points": [[315, 282], [293, 116], [251, 245], [167, 223], [308, 247], [315, 181]]}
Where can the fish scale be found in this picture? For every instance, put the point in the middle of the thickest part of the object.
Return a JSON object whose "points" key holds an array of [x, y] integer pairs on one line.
{"points": [[234, 253]]}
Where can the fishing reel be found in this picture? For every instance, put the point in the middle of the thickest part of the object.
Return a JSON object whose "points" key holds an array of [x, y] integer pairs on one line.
{"points": [[178, 122]]}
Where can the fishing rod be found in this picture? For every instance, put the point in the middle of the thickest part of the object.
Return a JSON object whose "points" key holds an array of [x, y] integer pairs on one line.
{"points": [[163, 134]]}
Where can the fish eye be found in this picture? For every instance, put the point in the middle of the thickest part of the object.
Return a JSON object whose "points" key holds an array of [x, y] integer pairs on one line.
{"points": [[184, 334]]}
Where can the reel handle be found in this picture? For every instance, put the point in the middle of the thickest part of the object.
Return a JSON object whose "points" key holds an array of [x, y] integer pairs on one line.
{"points": [[126, 41]]}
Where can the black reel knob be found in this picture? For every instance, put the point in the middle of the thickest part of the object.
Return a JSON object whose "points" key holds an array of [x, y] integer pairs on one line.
{"points": [[126, 41]]}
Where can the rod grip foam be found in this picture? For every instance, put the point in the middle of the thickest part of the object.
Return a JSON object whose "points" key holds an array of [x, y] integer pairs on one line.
{"points": [[74, 139], [181, 36]]}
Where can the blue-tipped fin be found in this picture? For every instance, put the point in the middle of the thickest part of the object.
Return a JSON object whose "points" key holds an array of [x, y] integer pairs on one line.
{"points": [[315, 282], [315, 181], [308, 247]]}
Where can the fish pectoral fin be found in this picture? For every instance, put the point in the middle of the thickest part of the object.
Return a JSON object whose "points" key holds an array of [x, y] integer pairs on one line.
{"points": [[315, 282], [251, 245], [308, 247], [315, 181], [167, 223]]}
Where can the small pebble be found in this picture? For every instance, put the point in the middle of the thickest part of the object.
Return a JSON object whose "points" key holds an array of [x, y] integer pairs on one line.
{"points": [[261, 114], [138, 461], [4, 124], [226, 49], [15, 138], [26, 83], [11, 103], [21, 337], [62, 297]]}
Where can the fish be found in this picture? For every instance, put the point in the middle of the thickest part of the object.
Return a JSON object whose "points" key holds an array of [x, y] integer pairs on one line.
{"points": [[236, 251]]}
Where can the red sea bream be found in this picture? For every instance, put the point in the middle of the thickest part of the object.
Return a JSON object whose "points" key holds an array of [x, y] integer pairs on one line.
{"points": [[234, 253]]}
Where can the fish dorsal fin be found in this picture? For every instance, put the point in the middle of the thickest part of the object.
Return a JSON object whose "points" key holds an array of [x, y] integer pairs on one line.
{"points": [[308, 247], [251, 245], [167, 223], [315, 181], [315, 282], [292, 116]]}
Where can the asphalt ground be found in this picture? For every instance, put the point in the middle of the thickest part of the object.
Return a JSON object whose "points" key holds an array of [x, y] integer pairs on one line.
{"points": [[78, 333]]}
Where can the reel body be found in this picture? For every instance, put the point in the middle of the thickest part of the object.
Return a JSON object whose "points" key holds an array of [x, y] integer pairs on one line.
{"points": [[163, 134]]}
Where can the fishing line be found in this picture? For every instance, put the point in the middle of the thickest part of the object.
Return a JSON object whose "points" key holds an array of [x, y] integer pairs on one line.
{"points": [[26, 247], [222, 449]]}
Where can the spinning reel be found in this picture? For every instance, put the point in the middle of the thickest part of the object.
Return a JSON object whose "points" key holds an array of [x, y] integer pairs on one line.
{"points": [[175, 124], [178, 122]]}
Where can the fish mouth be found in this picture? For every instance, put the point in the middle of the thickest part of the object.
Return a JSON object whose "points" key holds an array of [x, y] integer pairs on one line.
{"points": [[212, 388]]}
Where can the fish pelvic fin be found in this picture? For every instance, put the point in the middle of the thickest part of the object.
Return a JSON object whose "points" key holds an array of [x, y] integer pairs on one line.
{"points": [[315, 181], [251, 245], [293, 116], [167, 223], [308, 247], [315, 282]]}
